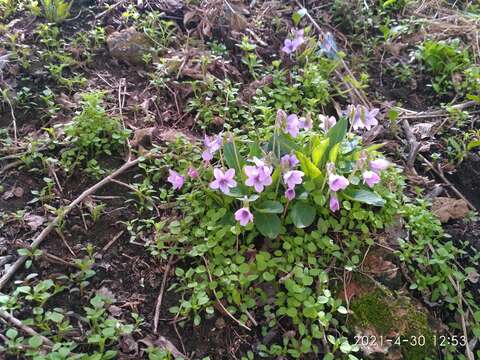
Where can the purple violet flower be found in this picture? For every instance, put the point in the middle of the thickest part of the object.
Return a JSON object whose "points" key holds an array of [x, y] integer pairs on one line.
{"points": [[293, 125], [327, 122], [192, 172], [370, 178], [212, 146], [379, 165], [306, 122], [243, 216], [292, 178], [175, 179], [334, 203], [223, 181], [290, 46], [258, 176], [361, 117], [290, 194], [337, 182], [288, 161]]}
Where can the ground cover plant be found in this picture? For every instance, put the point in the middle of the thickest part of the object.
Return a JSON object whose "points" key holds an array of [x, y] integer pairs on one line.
{"points": [[239, 180]]}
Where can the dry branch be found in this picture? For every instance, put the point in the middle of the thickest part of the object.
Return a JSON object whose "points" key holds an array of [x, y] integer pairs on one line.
{"points": [[62, 213], [27, 329]]}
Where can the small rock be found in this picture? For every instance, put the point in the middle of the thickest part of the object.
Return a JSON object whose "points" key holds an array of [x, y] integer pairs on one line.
{"points": [[129, 45], [449, 209]]}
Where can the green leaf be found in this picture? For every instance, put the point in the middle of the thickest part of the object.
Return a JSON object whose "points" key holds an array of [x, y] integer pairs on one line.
{"points": [[309, 168], [232, 158], [337, 133], [35, 341], [319, 149], [267, 224], [473, 144], [302, 214], [283, 143], [364, 196], [270, 207]]}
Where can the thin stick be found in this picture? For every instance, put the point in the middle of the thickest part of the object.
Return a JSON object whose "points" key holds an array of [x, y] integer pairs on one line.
{"points": [[464, 326], [10, 166], [27, 329], [220, 303], [62, 213], [160, 296], [111, 242], [414, 144], [359, 94]]}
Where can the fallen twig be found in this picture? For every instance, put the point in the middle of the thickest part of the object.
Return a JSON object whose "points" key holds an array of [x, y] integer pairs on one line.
{"points": [[111, 242], [158, 305], [27, 329], [360, 95], [62, 213], [224, 309], [414, 145]]}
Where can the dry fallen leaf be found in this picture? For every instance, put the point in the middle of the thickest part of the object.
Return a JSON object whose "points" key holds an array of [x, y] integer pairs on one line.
{"points": [[449, 209], [162, 343], [15, 191], [34, 221]]}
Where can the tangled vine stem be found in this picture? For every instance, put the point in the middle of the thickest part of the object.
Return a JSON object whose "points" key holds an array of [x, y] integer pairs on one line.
{"points": [[64, 212]]}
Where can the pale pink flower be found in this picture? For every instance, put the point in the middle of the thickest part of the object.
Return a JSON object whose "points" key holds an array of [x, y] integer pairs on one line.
{"points": [[175, 179], [379, 165], [243, 216], [334, 203], [370, 178], [223, 181], [292, 178], [337, 182]]}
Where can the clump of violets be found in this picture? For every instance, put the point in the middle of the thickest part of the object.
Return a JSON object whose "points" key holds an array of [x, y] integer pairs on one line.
{"points": [[263, 175], [292, 124], [361, 117], [212, 145], [291, 45], [177, 180], [258, 176]]}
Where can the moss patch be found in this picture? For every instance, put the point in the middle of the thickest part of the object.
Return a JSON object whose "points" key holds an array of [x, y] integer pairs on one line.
{"points": [[396, 317], [372, 309], [417, 327]]}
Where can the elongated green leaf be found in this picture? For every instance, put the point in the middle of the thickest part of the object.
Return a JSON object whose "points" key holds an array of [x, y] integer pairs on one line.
{"points": [[270, 207], [309, 168], [319, 151], [267, 224], [473, 144], [364, 196], [302, 214], [232, 158], [283, 143], [337, 133]]}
